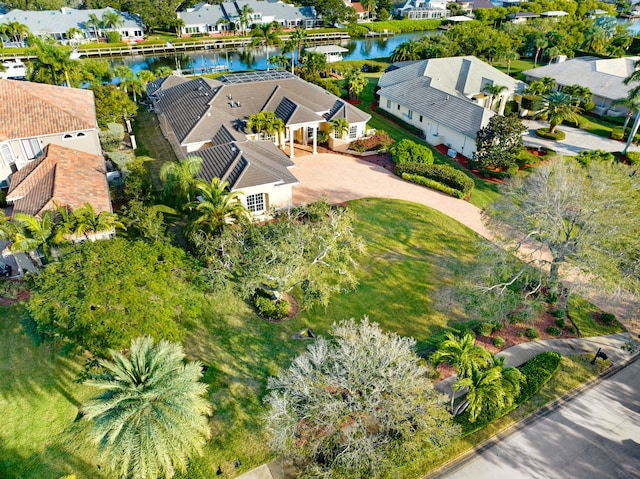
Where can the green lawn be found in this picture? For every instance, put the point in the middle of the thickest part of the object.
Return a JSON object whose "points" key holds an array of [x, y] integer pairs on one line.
{"points": [[517, 66], [484, 192], [582, 314], [152, 143]]}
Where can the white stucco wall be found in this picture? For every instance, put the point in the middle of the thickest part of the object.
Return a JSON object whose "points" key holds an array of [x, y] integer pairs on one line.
{"points": [[277, 196]]}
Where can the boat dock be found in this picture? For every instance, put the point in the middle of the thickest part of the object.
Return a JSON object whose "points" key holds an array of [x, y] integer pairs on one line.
{"points": [[219, 43], [379, 34]]}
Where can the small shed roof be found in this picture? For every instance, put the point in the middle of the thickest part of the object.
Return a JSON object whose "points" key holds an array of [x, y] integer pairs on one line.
{"points": [[327, 49]]}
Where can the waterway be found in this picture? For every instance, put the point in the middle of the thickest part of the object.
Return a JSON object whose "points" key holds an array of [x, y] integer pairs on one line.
{"points": [[256, 58]]}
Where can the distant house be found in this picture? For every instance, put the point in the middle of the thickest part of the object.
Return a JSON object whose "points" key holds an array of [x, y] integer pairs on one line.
{"points": [[445, 98], [56, 24], [521, 17], [361, 12], [34, 115], [423, 9], [212, 19], [554, 14], [604, 77], [214, 128], [63, 176], [333, 53]]}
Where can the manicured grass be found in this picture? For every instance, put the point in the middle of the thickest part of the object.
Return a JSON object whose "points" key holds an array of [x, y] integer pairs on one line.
{"points": [[39, 401], [573, 371], [152, 143], [517, 66], [582, 313], [484, 192]]}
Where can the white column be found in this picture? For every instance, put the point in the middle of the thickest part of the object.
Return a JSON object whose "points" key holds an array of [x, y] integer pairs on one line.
{"points": [[315, 140], [502, 104], [291, 136]]}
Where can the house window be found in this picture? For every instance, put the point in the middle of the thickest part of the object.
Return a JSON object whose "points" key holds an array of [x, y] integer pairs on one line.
{"points": [[6, 154], [67, 137], [420, 118], [398, 107], [255, 203], [80, 135], [31, 148], [353, 132], [310, 132], [410, 115], [389, 104]]}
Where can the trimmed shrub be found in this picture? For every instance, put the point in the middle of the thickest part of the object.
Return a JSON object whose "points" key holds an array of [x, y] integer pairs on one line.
{"points": [[444, 174], [532, 333], [633, 157], [561, 323], [552, 297], [498, 342], [527, 158], [433, 184], [407, 151], [485, 328], [113, 37], [608, 318], [558, 313], [121, 160], [111, 138], [323, 136], [538, 371], [497, 325], [268, 308], [553, 331], [379, 141], [585, 157], [617, 134], [544, 133]]}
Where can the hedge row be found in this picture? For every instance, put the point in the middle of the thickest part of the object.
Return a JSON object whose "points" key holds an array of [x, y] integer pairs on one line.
{"points": [[433, 184], [396, 26], [444, 174]]}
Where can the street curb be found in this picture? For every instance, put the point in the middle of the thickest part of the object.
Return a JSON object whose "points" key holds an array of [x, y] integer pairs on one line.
{"points": [[463, 459]]}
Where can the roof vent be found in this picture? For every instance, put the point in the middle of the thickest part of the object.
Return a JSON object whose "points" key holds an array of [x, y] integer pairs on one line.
{"points": [[229, 97], [237, 103], [231, 104]]}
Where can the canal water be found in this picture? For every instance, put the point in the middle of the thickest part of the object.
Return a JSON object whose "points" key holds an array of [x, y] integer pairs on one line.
{"points": [[256, 58]]}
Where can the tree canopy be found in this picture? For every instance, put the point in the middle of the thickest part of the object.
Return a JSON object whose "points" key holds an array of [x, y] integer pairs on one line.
{"points": [[498, 143], [112, 105], [356, 405], [113, 291]]}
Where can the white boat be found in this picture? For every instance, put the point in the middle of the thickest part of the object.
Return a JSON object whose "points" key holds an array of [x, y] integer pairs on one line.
{"points": [[13, 69]]}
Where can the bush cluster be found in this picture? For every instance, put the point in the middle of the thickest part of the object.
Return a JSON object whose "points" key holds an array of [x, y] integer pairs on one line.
{"points": [[444, 174], [544, 133], [558, 313], [608, 318], [498, 342], [407, 151], [380, 141], [433, 184], [268, 308], [487, 173], [617, 134], [532, 333], [527, 158], [538, 371], [561, 323], [553, 331], [585, 157], [633, 157], [110, 139], [397, 26]]}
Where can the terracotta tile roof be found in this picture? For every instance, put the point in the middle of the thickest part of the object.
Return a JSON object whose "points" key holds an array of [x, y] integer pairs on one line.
{"points": [[35, 109], [357, 6], [68, 177]]}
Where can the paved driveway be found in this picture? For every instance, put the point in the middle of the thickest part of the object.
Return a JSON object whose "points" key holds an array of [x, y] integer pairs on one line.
{"points": [[576, 140], [595, 436]]}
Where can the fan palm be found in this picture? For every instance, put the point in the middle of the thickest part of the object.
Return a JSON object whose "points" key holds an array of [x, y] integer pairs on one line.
{"points": [[151, 417], [178, 179], [356, 82], [88, 221], [557, 107], [267, 35], [510, 56], [217, 209]]}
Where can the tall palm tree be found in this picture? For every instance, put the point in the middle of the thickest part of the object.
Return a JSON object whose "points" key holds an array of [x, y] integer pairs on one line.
{"points": [[16, 31], [36, 233], [151, 417], [52, 63], [356, 82], [340, 127], [368, 4], [540, 42], [266, 122], [290, 47], [300, 37], [493, 91], [631, 103], [246, 18], [93, 23], [89, 222], [462, 354], [178, 179], [163, 71], [510, 56], [218, 208], [267, 34], [557, 107], [111, 20], [581, 94], [406, 51]]}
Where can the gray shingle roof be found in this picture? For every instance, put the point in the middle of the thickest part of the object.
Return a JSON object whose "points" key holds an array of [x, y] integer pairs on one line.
{"points": [[205, 14], [59, 21], [455, 112], [342, 109], [158, 84], [604, 77]]}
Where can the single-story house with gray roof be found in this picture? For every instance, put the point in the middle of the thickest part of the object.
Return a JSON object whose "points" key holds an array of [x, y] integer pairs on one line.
{"points": [[445, 98], [207, 118], [603, 76], [208, 19], [56, 24]]}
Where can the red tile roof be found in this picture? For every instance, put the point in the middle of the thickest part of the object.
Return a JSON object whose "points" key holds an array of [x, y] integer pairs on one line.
{"points": [[35, 109], [357, 6], [68, 177]]}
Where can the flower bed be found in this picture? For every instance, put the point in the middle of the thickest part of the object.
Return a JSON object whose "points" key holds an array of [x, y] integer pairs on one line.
{"points": [[379, 141]]}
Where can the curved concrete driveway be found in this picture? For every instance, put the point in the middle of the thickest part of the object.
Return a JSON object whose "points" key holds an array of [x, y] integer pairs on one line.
{"points": [[338, 178], [576, 140]]}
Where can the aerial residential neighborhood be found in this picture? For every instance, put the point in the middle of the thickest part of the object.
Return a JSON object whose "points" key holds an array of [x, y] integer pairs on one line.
{"points": [[261, 239]]}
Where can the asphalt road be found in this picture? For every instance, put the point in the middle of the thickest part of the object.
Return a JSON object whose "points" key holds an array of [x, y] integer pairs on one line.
{"points": [[596, 435]]}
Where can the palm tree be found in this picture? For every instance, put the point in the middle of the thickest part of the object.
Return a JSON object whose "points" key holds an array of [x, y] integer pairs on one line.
{"points": [[552, 53], [52, 62], [218, 208], [278, 62], [407, 51], [124, 73], [94, 23], [267, 34], [595, 39], [135, 85], [462, 354], [340, 127], [89, 222], [510, 56], [300, 37], [266, 122], [631, 103], [246, 17], [356, 82], [111, 20], [581, 94], [74, 33], [493, 91], [178, 178], [557, 107], [540, 42], [290, 47], [163, 71], [151, 417], [368, 4], [36, 233], [16, 31]]}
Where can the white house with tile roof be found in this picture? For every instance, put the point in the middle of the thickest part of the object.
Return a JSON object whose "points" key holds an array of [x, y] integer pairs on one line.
{"points": [[603, 76], [208, 118], [56, 23], [444, 98]]}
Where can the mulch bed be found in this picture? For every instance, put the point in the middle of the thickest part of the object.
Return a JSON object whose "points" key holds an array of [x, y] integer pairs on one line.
{"points": [[381, 160], [464, 162]]}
